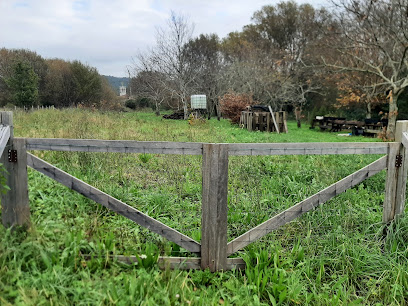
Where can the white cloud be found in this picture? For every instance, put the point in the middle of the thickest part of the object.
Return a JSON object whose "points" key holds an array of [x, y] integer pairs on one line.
{"points": [[106, 33]]}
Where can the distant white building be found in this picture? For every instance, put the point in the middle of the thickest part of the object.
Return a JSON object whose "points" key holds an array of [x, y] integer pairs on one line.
{"points": [[122, 90]]}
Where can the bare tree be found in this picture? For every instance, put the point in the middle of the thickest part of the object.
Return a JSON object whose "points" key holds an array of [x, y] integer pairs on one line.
{"points": [[167, 59], [151, 85], [373, 39]]}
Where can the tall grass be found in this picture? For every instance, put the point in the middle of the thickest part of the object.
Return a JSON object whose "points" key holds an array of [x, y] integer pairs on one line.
{"points": [[336, 254]]}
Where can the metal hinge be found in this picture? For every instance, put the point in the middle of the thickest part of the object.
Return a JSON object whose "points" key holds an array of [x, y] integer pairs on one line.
{"points": [[12, 156], [398, 161]]}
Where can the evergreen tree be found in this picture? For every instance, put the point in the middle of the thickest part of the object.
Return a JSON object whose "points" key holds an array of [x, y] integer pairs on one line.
{"points": [[23, 85]]}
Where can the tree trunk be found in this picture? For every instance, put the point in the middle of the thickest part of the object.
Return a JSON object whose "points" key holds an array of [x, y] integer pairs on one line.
{"points": [[298, 113], [392, 116], [368, 115], [210, 107], [157, 112], [185, 109]]}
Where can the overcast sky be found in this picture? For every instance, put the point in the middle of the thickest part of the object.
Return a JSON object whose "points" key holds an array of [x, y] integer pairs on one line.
{"points": [[107, 33]]}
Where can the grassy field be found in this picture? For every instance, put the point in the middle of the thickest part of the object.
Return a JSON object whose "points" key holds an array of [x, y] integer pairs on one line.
{"points": [[334, 255]]}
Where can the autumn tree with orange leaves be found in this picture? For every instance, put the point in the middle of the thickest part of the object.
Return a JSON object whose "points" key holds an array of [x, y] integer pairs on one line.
{"points": [[360, 89]]}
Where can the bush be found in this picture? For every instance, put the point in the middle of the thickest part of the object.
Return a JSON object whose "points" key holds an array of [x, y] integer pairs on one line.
{"points": [[138, 103], [232, 104], [111, 105], [132, 104]]}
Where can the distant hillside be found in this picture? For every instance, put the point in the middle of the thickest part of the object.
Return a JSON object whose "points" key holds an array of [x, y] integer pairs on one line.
{"points": [[116, 82]]}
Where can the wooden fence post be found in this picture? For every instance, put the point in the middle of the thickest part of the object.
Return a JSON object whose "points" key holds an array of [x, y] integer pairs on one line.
{"points": [[214, 207], [14, 204], [395, 188]]}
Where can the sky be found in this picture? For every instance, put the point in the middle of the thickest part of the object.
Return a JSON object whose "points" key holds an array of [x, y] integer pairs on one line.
{"points": [[106, 34]]}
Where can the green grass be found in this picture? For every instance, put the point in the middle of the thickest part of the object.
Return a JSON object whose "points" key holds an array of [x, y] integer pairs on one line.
{"points": [[336, 254]]}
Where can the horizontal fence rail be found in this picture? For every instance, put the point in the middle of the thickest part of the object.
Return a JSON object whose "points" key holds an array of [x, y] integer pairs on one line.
{"points": [[114, 146], [308, 148], [196, 148], [182, 263]]}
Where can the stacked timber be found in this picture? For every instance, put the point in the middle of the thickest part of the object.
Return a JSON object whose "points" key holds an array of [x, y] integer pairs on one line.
{"points": [[257, 119]]}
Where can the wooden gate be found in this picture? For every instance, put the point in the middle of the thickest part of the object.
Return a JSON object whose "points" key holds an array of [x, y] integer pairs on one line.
{"points": [[214, 249]]}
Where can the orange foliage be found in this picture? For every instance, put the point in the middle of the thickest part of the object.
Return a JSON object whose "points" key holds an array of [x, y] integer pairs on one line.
{"points": [[353, 91], [232, 104]]}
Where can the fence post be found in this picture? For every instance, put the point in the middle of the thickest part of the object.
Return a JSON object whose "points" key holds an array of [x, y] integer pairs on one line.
{"points": [[395, 187], [214, 207], [14, 204]]}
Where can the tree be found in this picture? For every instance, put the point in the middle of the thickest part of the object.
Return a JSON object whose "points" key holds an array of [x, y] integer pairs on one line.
{"points": [[23, 84], [204, 57], [108, 94], [373, 39], [87, 84], [8, 59], [168, 58], [290, 29], [60, 88], [151, 85], [267, 57], [357, 89]]}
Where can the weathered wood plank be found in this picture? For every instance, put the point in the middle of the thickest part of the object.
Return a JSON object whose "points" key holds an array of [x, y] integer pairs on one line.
{"points": [[391, 184], [268, 124], [404, 139], [402, 183], [395, 187], [195, 263], [273, 118], [185, 263], [15, 203], [114, 146], [180, 263], [285, 123], [113, 204], [214, 207], [128, 146], [306, 205], [4, 138], [308, 148], [6, 118], [401, 136]]}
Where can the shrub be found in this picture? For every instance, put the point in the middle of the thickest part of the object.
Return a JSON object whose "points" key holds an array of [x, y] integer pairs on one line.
{"points": [[139, 103], [232, 104], [111, 105], [132, 104]]}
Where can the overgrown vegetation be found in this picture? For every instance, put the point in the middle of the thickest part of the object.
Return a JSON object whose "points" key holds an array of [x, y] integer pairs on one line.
{"points": [[334, 255], [233, 104]]}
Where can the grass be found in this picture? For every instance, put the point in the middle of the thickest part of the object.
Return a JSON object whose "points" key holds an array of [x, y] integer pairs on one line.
{"points": [[336, 254]]}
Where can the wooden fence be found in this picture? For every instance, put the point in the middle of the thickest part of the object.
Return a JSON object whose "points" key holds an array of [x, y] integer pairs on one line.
{"points": [[214, 249]]}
